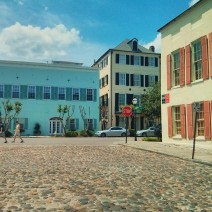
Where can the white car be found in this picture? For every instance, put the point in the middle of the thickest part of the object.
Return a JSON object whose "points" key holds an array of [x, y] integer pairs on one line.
{"points": [[145, 133], [113, 131]]}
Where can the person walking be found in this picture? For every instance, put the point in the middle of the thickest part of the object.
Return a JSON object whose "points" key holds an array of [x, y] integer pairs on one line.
{"points": [[2, 131], [18, 132]]}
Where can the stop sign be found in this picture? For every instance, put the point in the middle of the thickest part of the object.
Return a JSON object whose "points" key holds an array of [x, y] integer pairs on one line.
{"points": [[127, 111]]}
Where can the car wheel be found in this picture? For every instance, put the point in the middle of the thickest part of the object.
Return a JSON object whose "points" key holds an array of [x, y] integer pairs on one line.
{"points": [[123, 134], [103, 135], [144, 134]]}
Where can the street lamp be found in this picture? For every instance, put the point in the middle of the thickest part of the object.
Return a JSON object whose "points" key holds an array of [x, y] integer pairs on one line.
{"points": [[134, 101]]}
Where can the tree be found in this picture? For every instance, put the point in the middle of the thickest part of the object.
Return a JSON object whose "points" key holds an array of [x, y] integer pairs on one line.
{"points": [[65, 110], [11, 112], [151, 103]]}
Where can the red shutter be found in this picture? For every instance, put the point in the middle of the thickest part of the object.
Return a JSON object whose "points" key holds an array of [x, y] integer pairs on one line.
{"points": [[182, 120], [182, 66], [210, 52], [188, 65], [190, 121], [204, 57], [168, 71], [170, 122], [207, 120]]}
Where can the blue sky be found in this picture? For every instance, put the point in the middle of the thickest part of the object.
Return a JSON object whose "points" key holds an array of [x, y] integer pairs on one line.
{"points": [[80, 30]]}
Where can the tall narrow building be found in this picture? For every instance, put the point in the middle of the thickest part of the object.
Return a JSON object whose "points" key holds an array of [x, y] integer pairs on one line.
{"points": [[126, 71]]}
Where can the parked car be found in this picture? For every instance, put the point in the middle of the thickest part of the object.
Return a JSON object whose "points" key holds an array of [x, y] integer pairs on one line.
{"points": [[145, 133], [158, 131], [113, 131]]}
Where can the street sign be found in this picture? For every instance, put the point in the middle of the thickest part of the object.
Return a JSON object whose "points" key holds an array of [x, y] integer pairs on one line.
{"points": [[127, 111]]}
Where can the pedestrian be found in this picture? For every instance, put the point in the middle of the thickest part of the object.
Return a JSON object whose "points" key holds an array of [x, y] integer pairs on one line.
{"points": [[2, 131], [18, 132]]}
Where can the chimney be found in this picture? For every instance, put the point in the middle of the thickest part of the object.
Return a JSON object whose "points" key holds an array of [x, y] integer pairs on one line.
{"points": [[152, 48]]}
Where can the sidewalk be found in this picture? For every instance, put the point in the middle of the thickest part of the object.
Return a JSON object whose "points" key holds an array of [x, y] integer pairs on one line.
{"points": [[184, 150]]}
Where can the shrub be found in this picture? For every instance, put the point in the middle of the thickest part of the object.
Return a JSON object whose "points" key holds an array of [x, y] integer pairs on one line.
{"points": [[71, 133], [8, 134], [132, 132], [151, 139], [37, 130], [90, 133], [84, 133]]}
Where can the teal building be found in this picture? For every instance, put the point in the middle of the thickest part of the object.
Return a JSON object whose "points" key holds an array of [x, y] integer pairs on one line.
{"points": [[41, 87]]}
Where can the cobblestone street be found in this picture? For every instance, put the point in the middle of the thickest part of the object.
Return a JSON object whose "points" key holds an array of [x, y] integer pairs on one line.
{"points": [[100, 178]]}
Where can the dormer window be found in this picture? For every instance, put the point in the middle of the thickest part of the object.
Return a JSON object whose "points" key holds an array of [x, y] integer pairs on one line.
{"points": [[135, 45]]}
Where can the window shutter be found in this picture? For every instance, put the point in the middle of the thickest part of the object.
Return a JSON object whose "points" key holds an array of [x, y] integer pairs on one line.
{"points": [[183, 121], [156, 79], [188, 65], [142, 60], [127, 79], [146, 61], [207, 120], [156, 62], [54, 93], [94, 95], [132, 79], [68, 94], [26, 123], [168, 61], [106, 79], [132, 60], [117, 78], [190, 121], [7, 91], [117, 120], [142, 80], [146, 81], [39, 92], [182, 66], [127, 59], [77, 124], [169, 121], [117, 58], [129, 99], [106, 100], [116, 102], [210, 52], [82, 94], [204, 57], [23, 92]]}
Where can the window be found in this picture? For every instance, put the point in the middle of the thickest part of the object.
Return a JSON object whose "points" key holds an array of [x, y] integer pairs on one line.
{"points": [[31, 92], [76, 93], [200, 121], [90, 124], [61, 93], [122, 122], [136, 60], [177, 123], [89, 95], [122, 59], [136, 79], [72, 124], [151, 61], [151, 80], [1, 91], [176, 69], [15, 91], [122, 99], [197, 61], [46, 92], [122, 79]]}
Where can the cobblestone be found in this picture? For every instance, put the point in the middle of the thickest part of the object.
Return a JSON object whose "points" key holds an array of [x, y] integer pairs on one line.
{"points": [[100, 178]]}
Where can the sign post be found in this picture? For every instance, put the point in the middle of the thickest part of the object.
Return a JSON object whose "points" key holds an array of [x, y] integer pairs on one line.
{"points": [[196, 107], [126, 111]]}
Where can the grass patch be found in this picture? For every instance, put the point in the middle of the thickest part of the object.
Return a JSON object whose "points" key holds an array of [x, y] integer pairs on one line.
{"points": [[153, 139]]}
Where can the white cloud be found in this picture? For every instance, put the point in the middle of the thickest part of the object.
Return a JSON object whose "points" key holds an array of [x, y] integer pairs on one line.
{"points": [[156, 43], [192, 2], [30, 43]]}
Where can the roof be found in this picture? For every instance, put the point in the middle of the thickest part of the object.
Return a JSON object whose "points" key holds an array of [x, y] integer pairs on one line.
{"points": [[127, 46], [182, 14]]}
